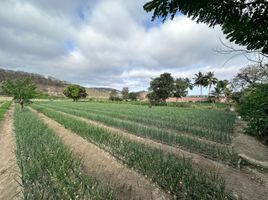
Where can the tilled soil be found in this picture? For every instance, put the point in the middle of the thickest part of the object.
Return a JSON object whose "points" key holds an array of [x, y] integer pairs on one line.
{"points": [[127, 183], [242, 183], [10, 180]]}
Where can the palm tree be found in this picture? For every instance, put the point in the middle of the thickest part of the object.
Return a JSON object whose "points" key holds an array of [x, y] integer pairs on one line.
{"points": [[211, 80], [223, 84], [200, 80], [217, 92], [221, 89]]}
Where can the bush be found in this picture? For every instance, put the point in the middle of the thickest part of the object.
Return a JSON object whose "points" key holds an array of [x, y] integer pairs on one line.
{"points": [[253, 107], [115, 98]]}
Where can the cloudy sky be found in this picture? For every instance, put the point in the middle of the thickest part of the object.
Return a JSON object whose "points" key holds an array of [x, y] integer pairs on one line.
{"points": [[107, 43]]}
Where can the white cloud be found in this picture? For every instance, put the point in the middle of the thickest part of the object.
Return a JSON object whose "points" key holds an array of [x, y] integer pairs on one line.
{"points": [[106, 43]]}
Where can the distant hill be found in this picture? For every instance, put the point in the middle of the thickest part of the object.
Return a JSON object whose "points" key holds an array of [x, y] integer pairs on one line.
{"points": [[50, 85], [104, 89], [98, 93]]}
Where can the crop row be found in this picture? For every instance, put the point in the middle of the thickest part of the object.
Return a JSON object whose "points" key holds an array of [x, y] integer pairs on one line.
{"points": [[203, 105], [49, 170], [210, 119], [174, 175], [3, 108], [213, 151], [209, 134]]}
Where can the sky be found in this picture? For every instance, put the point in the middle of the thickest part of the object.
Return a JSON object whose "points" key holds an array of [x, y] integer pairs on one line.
{"points": [[108, 43]]}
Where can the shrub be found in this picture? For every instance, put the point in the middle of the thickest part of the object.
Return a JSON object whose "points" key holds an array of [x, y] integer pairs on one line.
{"points": [[253, 107]]}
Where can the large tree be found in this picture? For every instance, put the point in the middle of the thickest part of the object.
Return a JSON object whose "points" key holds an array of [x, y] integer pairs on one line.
{"points": [[162, 87], [75, 92], [181, 87], [244, 22], [250, 75], [22, 90]]}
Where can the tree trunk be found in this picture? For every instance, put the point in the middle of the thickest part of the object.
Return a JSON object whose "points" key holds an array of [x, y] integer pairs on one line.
{"points": [[201, 93], [209, 90], [21, 105]]}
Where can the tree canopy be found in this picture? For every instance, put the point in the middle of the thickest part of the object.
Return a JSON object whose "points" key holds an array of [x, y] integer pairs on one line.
{"points": [[75, 92], [244, 22], [200, 80], [162, 87], [211, 80], [250, 75], [181, 87], [125, 93], [133, 96], [221, 89], [114, 95], [22, 90], [253, 107]]}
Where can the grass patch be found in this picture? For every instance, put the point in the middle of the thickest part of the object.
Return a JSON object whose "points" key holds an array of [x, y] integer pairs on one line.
{"points": [[3, 109]]}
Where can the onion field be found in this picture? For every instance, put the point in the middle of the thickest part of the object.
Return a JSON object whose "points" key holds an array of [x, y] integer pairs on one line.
{"points": [[48, 168], [197, 130], [144, 141]]}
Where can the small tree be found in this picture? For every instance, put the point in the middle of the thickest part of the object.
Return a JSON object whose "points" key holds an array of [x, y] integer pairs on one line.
{"points": [[221, 90], [162, 87], [223, 84], [216, 93], [114, 96], [75, 92], [133, 96], [153, 99], [181, 87], [125, 93], [253, 107], [22, 90]]}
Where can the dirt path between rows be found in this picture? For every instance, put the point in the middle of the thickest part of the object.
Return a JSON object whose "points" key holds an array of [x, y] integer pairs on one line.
{"points": [[249, 148], [127, 183], [242, 183], [10, 180]]}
